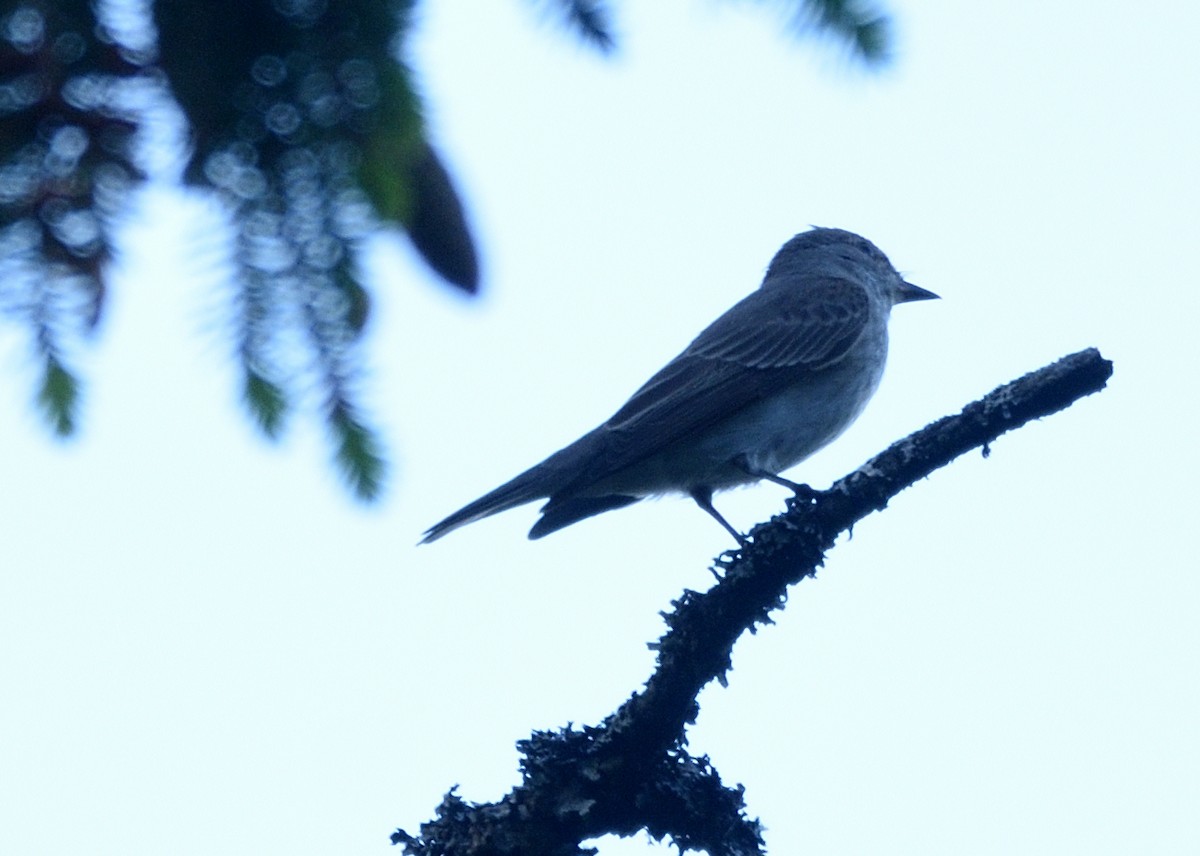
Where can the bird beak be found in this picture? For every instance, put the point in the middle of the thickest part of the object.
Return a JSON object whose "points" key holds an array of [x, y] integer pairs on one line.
{"points": [[908, 292]]}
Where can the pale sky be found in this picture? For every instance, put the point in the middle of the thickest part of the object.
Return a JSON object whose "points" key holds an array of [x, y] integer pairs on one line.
{"points": [[207, 647]]}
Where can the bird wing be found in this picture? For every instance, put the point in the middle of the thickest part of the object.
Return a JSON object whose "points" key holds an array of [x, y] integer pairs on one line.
{"points": [[765, 343], [782, 332]]}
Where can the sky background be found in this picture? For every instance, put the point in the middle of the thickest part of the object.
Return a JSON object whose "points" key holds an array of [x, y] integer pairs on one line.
{"points": [[207, 647]]}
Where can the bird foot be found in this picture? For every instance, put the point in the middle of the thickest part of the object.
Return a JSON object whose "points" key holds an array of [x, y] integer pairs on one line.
{"points": [[804, 494]]}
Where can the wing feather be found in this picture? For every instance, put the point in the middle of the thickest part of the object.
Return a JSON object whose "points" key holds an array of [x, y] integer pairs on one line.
{"points": [[766, 342]]}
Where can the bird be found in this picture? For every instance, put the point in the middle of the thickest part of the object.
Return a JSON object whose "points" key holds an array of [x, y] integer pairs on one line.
{"points": [[775, 378]]}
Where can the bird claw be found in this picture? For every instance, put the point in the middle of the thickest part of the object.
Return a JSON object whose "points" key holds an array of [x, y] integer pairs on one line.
{"points": [[805, 494]]}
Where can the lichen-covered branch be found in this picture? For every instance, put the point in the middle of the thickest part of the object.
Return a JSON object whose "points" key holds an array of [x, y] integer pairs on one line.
{"points": [[631, 772]]}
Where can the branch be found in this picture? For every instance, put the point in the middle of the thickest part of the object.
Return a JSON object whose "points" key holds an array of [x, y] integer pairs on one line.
{"points": [[631, 772]]}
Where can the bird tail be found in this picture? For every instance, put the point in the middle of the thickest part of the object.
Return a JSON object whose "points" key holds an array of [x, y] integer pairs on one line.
{"points": [[555, 478], [529, 486]]}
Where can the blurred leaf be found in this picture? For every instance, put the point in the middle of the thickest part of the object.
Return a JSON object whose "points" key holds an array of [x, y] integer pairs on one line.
{"points": [[859, 23], [438, 226], [591, 20], [392, 147], [408, 183], [59, 397], [874, 39], [358, 456], [358, 300], [267, 403]]}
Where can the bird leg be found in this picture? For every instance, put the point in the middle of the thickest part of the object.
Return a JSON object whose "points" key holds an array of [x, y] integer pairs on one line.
{"points": [[802, 491], [703, 497]]}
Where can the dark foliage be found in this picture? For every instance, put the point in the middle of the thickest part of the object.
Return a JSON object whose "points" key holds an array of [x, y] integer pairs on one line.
{"points": [[303, 120], [65, 165], [307, 126], [859, 24]]}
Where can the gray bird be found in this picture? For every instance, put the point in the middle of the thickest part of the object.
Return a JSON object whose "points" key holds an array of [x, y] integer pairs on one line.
{"points": [[774, 379]]}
